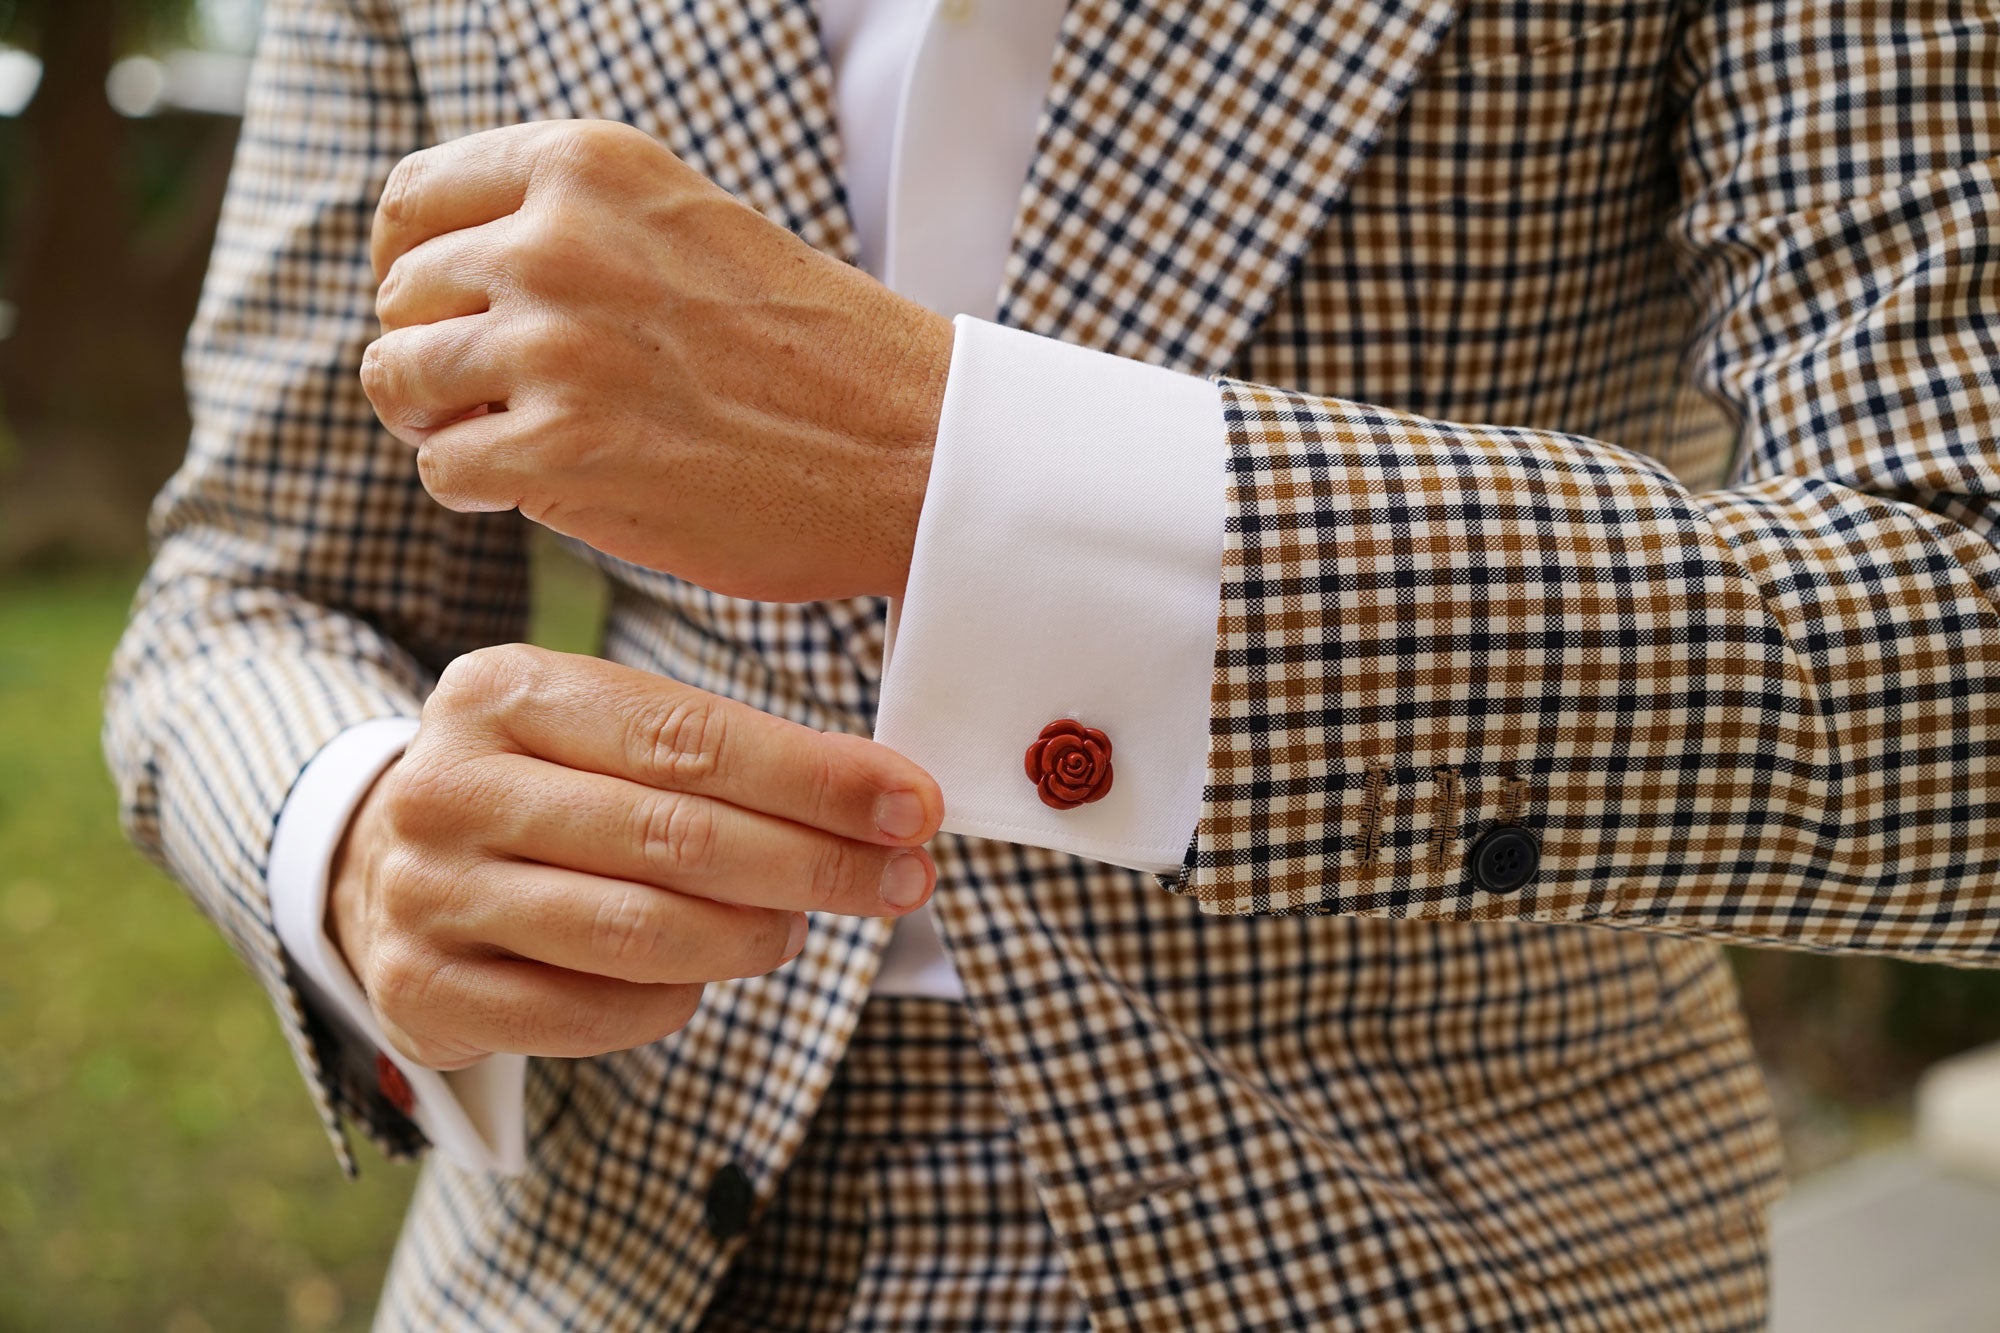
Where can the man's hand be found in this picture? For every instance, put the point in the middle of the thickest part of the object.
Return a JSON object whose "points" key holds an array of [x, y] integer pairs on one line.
{"points": [[580, 326], [569, 849]]}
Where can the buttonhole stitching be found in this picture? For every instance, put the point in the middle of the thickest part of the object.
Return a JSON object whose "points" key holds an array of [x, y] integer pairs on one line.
{"points": [[1371, 813], [1447, 801]]}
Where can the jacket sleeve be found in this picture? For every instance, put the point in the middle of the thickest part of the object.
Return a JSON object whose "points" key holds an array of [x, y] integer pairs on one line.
{"points": [[303, 581], [1471, 672]]}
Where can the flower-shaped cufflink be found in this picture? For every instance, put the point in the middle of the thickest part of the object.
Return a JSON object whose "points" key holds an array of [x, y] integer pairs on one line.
{"points": [[1070, 764]]}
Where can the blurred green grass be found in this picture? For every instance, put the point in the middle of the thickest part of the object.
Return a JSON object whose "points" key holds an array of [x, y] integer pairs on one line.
{"points": [[160, 1164]]}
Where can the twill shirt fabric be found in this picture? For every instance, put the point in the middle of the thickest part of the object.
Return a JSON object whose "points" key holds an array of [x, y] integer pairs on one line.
{"points": [[1707, 604]]}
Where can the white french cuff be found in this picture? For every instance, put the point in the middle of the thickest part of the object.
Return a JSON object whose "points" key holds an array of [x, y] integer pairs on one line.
{"points": [[475, 1116], [1068, 565]]}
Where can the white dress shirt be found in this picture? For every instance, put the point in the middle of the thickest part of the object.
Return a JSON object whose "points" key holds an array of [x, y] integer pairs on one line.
{"points": [[1067, 562]]}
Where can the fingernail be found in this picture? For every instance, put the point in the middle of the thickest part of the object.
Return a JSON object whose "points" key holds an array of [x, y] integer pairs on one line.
{"points": [[899, 814], [904, 881], [797, 941]]}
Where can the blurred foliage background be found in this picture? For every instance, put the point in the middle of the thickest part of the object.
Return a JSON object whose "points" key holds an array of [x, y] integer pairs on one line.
{"points": [[160, 1167], [105, 224]]}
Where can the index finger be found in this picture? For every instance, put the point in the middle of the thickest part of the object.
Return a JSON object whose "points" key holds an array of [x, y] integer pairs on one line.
{"points": [[600, 717], [455, 185]]}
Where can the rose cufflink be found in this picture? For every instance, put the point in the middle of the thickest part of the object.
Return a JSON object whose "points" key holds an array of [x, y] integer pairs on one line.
{"points": [[1070, 764]]}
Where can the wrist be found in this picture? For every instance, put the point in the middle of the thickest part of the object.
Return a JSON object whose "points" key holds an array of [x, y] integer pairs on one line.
{"points": [[916, 388], [348, 877], [913, 402]]}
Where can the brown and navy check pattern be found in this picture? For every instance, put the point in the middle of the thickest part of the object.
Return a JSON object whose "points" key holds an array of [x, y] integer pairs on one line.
{"points": [[1379, 1098], [1756, 700], [908, 1206]]}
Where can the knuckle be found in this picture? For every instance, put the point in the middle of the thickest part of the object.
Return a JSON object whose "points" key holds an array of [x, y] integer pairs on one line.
{"points": [[441, 820], [569, 139], [539, 241], [684, 743], [592, 145], [836, 874], [399, 888], [626, 931], [823, 786], [393, 290], [519, 673], [679, 834], [493, 680], [598, 135], [413, 790], [446, 480], [400, 191], [403, 795], [407, 982], [459, 686], [392, 384], [379, 374]]}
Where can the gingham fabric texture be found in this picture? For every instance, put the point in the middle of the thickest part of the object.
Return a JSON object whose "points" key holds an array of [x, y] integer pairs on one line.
{"points": [[1761, 710], [1755, 712], [908, 1206]]}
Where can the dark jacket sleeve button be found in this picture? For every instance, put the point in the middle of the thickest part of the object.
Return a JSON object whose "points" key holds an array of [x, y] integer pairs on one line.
{"points": [[729, 1199], [1505, 858]]}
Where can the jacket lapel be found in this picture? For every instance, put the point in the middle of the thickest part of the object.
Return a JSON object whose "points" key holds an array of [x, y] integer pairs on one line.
{"points": [[740, 89], [1187, 156]]}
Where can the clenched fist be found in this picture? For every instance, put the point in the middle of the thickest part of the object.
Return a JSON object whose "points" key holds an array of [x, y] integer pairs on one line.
{"points": [[581, 326], [570, 849]]}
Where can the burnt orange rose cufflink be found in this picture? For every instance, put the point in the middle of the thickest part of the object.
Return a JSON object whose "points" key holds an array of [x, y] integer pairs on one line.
{"points": [[1070, 764]]}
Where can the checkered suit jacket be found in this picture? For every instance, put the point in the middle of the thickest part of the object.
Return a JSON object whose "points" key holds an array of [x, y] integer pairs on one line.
{"points": [[1707, 603]]}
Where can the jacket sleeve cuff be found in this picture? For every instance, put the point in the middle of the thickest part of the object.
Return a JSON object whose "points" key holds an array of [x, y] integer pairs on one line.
{"points": [[473, 1116], [1067, 565]]}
